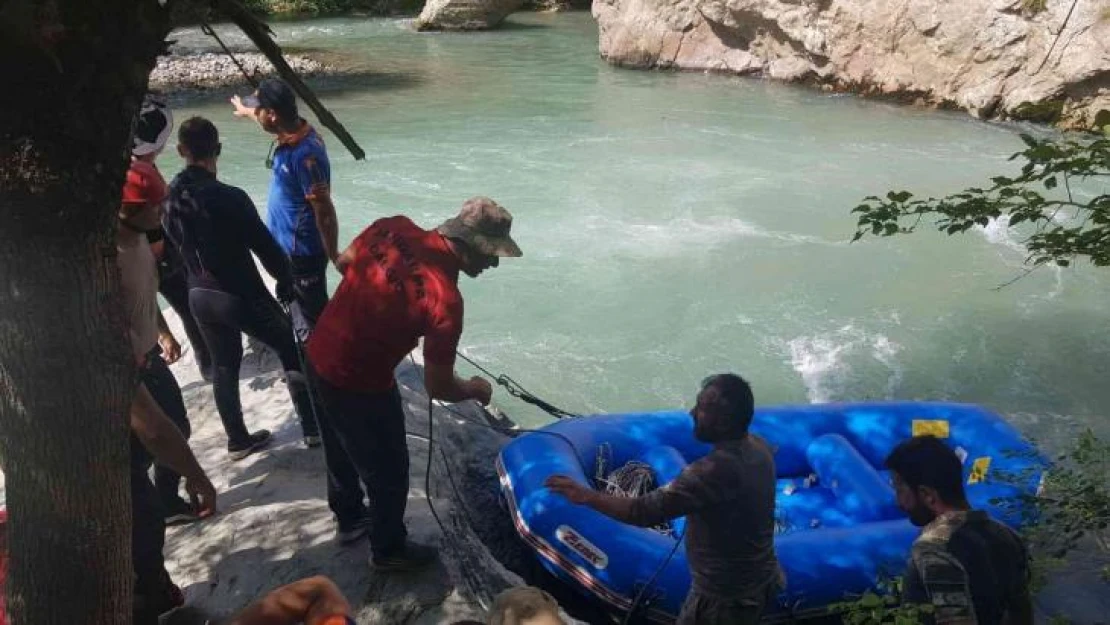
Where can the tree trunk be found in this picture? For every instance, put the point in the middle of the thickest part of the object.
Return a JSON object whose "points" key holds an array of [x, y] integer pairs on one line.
{"points": [[74, 73]]}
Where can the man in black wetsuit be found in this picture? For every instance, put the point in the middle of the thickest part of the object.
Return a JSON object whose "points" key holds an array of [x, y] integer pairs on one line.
{"points": [[216, 227]]}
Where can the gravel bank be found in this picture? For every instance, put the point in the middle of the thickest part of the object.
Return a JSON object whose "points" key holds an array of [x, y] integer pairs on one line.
{"points": [[201, 71]]}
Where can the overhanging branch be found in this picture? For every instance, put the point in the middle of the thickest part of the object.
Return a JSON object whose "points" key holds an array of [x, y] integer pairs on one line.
{"points": [[262, 36]]}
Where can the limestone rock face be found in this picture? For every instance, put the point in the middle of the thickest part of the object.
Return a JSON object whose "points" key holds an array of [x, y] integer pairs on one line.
{"points": [[990, 57], [465, 14]]}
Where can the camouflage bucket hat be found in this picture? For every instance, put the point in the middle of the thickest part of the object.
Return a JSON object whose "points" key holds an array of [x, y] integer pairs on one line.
{"points": [[483, 225]]}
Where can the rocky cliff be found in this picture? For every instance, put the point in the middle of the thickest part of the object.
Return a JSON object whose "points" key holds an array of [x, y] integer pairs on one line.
{"points": [[1026, 59]]}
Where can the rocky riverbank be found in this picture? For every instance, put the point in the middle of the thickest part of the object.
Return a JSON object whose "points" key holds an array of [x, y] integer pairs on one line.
{"points": [[202, 71], [1010, 59], [274, 525]]}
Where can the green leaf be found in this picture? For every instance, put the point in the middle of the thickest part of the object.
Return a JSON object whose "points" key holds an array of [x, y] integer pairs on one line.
{"points": [[1050, 183], [870, 600]]}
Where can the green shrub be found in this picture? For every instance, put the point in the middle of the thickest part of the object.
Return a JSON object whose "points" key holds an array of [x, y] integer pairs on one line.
{"points": [[881, 607]]}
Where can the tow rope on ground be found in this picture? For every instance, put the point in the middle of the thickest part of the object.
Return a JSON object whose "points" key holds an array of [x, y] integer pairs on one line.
{"points": [[516, 390]]}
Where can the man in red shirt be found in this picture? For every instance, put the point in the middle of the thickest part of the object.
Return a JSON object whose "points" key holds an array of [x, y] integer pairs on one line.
{"points": [[399, 284]]}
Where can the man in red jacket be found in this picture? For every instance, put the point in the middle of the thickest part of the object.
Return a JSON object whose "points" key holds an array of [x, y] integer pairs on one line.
{"points": [[399, 284]]}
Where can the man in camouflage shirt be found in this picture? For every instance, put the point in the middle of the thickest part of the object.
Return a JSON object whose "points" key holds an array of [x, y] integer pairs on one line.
{"points": [[972, 569]]}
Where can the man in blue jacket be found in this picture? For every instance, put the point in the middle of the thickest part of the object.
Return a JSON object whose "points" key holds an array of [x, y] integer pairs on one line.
{"points": [[299, 210]]}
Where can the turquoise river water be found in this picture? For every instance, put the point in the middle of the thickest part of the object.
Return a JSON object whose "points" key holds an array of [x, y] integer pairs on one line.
{"points": [[679, 224]]}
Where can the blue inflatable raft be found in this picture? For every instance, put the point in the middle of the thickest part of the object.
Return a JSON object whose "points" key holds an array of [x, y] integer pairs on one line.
{"points": [[838, 528]]}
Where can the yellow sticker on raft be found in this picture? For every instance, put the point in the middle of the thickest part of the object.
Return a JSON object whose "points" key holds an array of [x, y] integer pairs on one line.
{"points": [[979, 470], [930, 427]]}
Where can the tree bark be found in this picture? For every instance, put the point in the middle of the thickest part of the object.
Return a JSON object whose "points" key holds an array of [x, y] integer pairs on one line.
{"points": [[74, 73]]}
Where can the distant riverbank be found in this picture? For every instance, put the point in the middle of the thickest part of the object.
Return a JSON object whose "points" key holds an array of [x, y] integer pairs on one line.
{"points": [[192, 70]]}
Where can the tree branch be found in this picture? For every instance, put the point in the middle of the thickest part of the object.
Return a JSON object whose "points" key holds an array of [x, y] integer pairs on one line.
{"points": [[261, 35]]}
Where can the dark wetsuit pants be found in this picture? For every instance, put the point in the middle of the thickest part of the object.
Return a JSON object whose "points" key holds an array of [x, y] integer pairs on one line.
{"points": [[223, 319]]}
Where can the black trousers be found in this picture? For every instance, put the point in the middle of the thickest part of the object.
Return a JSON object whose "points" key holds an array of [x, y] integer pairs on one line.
{"points": [[174, 287], [310, 286], [223, 318], [159, 381], [153, 588], [702, 609], [370, 429]]}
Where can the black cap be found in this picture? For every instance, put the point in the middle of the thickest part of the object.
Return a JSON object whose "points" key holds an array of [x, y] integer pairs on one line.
{"points": [[276, 95]]}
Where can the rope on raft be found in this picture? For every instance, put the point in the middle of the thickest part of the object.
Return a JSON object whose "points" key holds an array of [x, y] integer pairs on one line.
{"points": [[633, 479]]}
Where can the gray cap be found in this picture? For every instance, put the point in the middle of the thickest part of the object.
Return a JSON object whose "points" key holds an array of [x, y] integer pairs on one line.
{"points": [[483, 225]]}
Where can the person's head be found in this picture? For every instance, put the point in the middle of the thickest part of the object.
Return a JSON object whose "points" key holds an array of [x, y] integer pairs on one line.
{"points": [[152, 128], [526, 605], [275, 105], [198, 142], [928, 478], [480, 236], [724, 408]]}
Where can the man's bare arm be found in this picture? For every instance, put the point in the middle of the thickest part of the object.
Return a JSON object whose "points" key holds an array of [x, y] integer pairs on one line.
{"points": [[164, 441], [345, 259], [313, 601], [327, 223], [239, 109], [659, 506], [171, 349], [619, 508], [441, 383]]}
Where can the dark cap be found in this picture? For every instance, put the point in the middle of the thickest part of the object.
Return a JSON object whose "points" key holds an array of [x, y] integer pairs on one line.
{"points": [[483, 225], [273, 94]]}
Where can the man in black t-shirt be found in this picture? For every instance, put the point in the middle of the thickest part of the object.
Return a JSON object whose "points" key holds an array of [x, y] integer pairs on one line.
{"points": [[969, 567]]}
